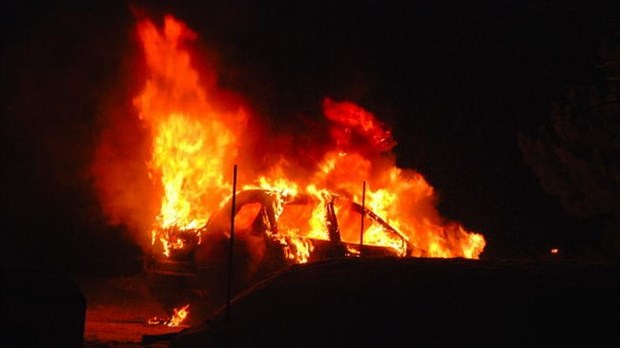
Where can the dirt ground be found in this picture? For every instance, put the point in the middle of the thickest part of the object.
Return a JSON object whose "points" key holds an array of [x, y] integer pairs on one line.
{"points": [[564, 301], [117, 313]]}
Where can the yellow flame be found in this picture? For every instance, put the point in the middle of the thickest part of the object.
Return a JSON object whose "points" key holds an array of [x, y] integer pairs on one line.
{"points": [[194, 143], [179, 316]]}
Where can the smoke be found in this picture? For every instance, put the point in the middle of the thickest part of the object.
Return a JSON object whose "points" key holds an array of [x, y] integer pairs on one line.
{"points": [[127, 195], [156, 79]]}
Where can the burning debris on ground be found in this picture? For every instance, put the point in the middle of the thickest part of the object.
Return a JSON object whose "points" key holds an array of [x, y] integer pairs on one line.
{"points": [[175, 320]]}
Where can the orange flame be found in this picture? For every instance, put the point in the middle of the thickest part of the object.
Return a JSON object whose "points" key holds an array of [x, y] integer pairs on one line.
{"points": [[194, 143], [179, 315], [196, 139], [554, 251], [403, 198]]}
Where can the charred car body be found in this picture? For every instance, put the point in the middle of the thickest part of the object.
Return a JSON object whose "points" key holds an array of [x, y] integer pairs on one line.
{"points": [[274, 229]]}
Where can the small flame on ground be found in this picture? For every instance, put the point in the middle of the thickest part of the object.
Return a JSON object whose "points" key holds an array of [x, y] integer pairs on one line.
{"points": [[176, 320]]}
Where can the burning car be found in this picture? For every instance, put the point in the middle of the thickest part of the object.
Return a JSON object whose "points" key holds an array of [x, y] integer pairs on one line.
{"points": [[170, 170], [272, 230]]}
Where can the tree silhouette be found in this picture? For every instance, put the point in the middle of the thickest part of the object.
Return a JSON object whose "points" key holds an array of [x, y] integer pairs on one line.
{"points": [[577, 158]]}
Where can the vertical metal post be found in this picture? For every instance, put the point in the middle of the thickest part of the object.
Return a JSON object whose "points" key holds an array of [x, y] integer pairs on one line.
{"points": [[232, 241], [363, 211]]}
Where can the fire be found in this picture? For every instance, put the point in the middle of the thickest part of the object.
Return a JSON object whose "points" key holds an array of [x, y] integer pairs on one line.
{"points": [[296, 248], [179, 315], [193, 143], [403, 198], [196, 139], [318, 229]]}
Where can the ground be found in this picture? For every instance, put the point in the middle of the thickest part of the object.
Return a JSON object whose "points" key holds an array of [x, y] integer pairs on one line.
{"points": [[117, 312], [433, 302]]}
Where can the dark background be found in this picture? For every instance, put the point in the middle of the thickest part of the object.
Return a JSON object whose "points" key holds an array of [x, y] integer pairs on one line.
{"points": [[456, 80]]}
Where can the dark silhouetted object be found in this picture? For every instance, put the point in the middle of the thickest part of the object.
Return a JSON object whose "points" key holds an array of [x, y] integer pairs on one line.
{"points": [[413, 302], [41, 309], [578, 159]]}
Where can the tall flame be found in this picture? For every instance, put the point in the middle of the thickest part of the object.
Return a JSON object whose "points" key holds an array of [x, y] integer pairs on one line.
{"points": [[194, 142], [196, 138]]}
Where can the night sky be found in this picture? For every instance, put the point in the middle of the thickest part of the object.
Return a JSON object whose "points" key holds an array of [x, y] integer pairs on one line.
{"points": [[456, 80]]}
